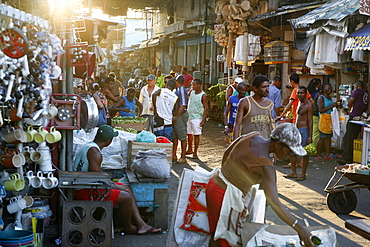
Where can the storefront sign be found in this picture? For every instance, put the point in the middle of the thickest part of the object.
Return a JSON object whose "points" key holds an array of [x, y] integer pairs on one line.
{"points": [[365, 7]]}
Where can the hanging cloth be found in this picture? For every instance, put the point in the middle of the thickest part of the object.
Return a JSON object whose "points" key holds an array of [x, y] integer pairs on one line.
{"points": [[239, 54]]}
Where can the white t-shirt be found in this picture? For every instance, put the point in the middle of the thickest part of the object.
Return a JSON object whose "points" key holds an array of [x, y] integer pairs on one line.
{"points": [[165, 103], [146, 99]]}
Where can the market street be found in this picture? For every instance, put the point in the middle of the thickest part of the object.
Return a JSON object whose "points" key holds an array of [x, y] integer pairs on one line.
{"points": [[305, 199]]}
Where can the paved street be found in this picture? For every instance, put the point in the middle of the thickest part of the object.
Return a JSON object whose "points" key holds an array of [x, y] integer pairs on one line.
{"points": [[305, 199]]}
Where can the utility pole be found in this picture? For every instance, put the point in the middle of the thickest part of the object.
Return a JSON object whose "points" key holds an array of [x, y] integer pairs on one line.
{"points": [[205, 40]]}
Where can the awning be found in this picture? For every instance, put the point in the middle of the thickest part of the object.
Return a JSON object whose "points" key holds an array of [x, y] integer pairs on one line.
{"points": [[286, 10], [359, 39], [333, 10], [149, 43], [153, 42], [144, 44]]}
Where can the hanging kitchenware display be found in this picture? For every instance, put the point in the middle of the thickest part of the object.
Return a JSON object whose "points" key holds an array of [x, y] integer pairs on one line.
{"points": [[13, 43]]}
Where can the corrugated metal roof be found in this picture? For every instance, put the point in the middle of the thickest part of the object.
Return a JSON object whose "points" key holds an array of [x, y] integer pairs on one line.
{"points": [[332, 10], [285, 10]]}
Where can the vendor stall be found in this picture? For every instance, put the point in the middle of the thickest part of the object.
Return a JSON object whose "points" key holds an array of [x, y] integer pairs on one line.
{"points": [[28, 69]]}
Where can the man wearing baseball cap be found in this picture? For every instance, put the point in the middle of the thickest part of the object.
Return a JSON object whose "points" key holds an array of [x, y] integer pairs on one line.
{"points": [[89, 159], [245, 163], [232, 89]]}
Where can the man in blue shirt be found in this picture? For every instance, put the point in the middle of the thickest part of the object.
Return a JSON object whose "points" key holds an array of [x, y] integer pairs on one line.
{"points": [[180, 120], [275, 94]]}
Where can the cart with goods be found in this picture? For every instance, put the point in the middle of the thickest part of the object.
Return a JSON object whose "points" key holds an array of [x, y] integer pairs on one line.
{"points": [[341, 198]]}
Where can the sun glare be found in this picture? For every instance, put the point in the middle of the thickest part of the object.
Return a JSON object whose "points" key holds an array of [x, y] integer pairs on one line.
{"points": [[61, 6]]}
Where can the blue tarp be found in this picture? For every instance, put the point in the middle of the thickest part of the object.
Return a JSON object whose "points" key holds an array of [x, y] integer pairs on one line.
{"points": [[333, 10], [359, 39]]}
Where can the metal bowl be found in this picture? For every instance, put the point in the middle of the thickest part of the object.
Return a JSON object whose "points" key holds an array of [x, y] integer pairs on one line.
{"points": [[89, 113]]}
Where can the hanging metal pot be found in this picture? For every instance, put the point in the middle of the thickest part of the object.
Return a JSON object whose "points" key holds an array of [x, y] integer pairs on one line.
{"points": [[89, 113]]}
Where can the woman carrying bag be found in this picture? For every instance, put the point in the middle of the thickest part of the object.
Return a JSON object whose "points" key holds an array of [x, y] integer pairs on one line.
{"points": [[325, 105]]}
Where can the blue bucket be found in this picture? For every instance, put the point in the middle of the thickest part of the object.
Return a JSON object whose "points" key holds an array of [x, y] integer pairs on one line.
{"points": [[15, 236]]}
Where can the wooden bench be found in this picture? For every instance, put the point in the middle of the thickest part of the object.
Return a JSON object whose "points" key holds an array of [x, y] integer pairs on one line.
{"points": [[151, 193], [359, 226]]}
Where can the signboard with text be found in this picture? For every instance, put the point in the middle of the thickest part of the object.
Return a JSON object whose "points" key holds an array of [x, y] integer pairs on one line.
{"points": [[365, 7]]}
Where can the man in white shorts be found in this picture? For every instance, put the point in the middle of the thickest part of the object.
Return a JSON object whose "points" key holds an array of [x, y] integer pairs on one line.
{"points": [[197, 109]]}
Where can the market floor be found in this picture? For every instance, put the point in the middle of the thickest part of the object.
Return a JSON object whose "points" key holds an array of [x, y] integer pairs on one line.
{"points": [[305, 199]]}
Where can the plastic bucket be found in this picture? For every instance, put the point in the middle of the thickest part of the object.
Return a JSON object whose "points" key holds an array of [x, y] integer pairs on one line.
{"points": [[19, 237], [23, 241], [28, 243]]}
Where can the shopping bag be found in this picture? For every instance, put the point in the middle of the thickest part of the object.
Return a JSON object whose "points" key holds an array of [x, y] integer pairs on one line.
{"points": [[277, 235]]}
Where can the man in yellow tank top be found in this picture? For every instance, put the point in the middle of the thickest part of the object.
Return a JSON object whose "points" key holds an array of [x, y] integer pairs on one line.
{"points": [[254, 112]]}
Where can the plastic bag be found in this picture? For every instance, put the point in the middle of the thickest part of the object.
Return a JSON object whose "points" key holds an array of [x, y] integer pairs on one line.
{"points": [[162, 139], [152, 163], [145, 136]]}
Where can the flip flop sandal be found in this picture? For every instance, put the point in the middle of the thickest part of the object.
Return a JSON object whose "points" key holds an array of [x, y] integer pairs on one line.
{"points": [[152, 230], [301, 178], [319, 158], [288, 166], [329, 158], [289, 176]]}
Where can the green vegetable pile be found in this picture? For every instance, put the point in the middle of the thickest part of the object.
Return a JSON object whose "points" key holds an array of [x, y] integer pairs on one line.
{"points": [[310, 149], [128, 120], [130, 130]]}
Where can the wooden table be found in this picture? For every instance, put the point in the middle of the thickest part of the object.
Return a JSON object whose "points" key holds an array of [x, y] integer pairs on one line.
{"points": [[359, 226]]}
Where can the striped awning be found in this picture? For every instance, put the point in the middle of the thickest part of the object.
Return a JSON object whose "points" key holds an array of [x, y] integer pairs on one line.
{"points": [[359, 40]]}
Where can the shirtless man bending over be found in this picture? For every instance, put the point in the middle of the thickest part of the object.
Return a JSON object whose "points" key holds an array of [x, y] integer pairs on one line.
{"points": [[304, 125]]}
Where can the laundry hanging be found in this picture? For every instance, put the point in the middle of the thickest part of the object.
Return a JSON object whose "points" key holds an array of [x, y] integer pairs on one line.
{"points": [[254, 50]]}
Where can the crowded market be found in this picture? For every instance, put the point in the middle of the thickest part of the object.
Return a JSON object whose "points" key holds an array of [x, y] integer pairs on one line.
{"points": [[184, 123]]}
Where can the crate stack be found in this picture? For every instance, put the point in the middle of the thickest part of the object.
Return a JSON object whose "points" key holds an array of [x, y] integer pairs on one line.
{"points": [[357, 151]]}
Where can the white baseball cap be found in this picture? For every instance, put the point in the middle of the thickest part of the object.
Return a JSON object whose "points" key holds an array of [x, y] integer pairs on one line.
{"points": [[238, 79], [288, 134]]}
